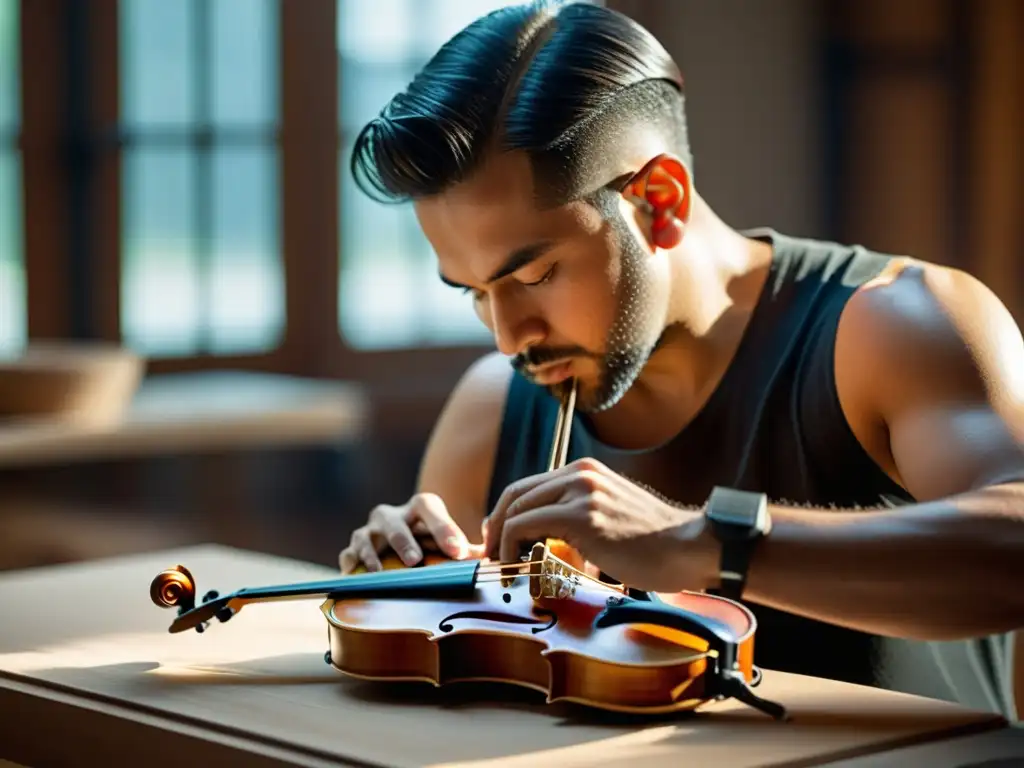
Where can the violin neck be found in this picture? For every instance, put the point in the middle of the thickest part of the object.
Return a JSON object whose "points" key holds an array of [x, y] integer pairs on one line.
{"points": [[456, 579]]}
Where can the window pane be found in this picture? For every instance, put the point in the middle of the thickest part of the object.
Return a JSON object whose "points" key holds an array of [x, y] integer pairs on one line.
{"points": [[366, 88], [12, 273], [160, 289], [446, 314], [245, 61], [377, 299], [158, 55], [247, 284], [390, 294], [9, 66], [377, 31], [443, 18]]}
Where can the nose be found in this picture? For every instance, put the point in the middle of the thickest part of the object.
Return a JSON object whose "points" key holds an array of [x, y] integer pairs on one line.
{"points": [[514, 329]]}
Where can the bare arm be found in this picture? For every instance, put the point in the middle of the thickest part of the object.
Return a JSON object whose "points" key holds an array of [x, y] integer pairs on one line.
{"points": [[459, 457], [930, 370]]}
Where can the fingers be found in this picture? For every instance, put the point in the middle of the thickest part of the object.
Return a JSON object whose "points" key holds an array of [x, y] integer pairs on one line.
{"points": [[400, 538], [579, 480], [408, 530], [430, 510], [515, 501], [368, 555], [360, 550], [348, 560], [547, 522], [511, 494]]}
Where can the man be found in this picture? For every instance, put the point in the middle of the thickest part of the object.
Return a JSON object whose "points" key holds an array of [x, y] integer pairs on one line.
{"points": [[875, 401]]}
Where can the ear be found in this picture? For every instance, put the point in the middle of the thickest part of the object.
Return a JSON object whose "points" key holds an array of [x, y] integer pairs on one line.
{"points": [[665, 185]]}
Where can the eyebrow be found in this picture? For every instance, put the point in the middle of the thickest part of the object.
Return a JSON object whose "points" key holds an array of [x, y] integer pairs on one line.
{"points": [[516, 261]]}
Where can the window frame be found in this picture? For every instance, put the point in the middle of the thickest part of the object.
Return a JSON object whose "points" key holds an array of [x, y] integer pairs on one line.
{"points": [[71, 153], [74, 271]]}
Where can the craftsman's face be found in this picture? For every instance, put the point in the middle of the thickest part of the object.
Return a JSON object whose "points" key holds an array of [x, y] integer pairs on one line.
{"points": [[567, 292]]}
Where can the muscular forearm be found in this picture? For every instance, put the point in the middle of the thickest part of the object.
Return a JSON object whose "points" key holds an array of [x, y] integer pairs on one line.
{"points": [[940, 570]]}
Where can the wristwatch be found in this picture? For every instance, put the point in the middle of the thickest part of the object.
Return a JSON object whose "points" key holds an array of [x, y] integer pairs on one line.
{"points": [[738, 520]]}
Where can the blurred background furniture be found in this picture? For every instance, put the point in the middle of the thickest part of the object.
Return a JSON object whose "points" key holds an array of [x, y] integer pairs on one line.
{"points": [[74, 406]]}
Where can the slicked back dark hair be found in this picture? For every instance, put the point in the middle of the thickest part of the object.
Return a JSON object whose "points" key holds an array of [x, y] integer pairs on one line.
{"points": [[561, 81]]}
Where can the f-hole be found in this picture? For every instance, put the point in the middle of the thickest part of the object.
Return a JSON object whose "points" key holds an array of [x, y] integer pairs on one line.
{"points": [[547, 621]]}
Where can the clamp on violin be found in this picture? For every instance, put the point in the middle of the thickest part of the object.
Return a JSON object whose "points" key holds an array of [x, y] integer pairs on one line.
{"points": [[725, 678], [542, 624]]}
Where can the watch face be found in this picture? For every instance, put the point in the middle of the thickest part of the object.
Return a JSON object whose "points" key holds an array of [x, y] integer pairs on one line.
{"points": [[738, 508], [734, 514]]}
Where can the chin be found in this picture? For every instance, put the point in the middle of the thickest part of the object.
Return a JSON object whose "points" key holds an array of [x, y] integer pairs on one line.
{"points": [[594, 398], [603, 392]]}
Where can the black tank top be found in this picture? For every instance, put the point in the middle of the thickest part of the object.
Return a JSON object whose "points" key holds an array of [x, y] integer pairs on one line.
{"points": [[772, 425]]}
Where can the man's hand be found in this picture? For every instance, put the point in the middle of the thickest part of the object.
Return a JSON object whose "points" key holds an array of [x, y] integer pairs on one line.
{"points": [[622, 529], [399, 528]]}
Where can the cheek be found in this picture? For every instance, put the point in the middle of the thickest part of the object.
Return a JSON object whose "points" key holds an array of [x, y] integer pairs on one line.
{"points": [[582, 308]]}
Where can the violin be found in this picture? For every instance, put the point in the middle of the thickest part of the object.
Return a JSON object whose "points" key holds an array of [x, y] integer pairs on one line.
{"points": [[541, 623]]}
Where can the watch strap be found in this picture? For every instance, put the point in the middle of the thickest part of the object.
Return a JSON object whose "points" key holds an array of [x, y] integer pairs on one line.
{"points": [[732, 570], [738, 519]]}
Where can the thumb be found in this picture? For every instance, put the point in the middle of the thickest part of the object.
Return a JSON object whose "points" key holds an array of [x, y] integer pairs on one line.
{"points": [[479, 551]]}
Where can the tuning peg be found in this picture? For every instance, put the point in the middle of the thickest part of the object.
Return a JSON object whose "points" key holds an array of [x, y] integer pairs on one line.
{"points": [[224, 614]]}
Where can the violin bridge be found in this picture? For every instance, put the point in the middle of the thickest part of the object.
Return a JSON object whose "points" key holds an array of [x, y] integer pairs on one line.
{"points": [[549, 576]]}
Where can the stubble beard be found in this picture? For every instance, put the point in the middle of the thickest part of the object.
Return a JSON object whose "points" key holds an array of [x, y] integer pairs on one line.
{"points": [[635, 333]]}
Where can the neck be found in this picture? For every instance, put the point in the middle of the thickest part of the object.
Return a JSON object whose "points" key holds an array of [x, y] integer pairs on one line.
{"points": [[716, 277], [714, 271]]}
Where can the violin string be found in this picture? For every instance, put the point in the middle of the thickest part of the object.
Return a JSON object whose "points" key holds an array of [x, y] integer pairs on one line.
{"points": [[492, 578], [488, 574], [510, 567], [495, 569], [588, 577]]}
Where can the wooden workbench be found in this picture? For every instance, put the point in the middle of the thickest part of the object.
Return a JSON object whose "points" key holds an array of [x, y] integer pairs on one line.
{"points": [[89, 675]]}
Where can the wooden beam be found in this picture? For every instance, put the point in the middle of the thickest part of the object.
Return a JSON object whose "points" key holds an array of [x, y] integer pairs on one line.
{"points": [[43, 127], [309, 183]]}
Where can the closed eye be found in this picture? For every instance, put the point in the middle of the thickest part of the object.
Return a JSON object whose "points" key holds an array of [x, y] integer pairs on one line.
{"points": [[478, 295], [547, 276]]}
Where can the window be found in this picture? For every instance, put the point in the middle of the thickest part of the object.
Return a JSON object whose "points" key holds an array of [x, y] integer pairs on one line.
{"points": [[201, 266], [12, 271], [389, 293]]}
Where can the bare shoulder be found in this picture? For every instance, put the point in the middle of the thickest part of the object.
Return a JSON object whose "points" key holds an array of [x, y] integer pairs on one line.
{"points": [[923, 324], [459, 457], [920, 333]]}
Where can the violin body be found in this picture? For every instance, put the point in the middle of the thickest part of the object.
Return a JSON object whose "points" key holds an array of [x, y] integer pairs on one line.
{"points": [[543, 625], [503, 634]]}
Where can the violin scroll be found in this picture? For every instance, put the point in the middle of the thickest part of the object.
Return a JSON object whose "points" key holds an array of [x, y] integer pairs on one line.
{"points": [[174, 587]]}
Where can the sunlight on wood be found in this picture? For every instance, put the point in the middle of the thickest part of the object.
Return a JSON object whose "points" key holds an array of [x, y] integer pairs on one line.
{"points": [[647, 744], [285, 629]]}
